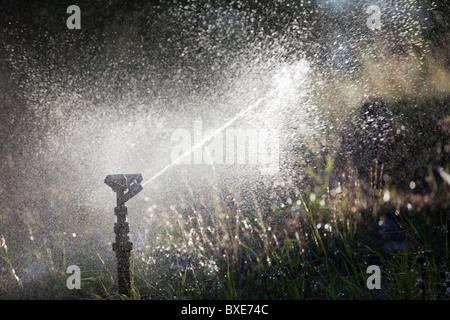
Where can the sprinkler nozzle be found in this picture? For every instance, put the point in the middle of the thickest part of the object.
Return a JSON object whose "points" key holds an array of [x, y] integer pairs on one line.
{"points": [[123, 182]]}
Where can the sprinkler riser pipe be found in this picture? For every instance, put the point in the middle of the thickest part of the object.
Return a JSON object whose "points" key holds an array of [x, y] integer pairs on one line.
{"points": [[122, 247], [125, 186]]}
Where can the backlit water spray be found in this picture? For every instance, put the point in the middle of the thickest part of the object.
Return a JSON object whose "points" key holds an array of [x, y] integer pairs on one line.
{"points": [[281, 83], [81, 104]]}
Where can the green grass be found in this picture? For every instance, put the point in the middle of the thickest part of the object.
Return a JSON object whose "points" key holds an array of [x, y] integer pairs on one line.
{"points": [[318, 247], [320, 264]]}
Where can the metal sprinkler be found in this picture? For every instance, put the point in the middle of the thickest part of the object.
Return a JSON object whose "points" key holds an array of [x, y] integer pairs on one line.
{"points": [[121, 183]]}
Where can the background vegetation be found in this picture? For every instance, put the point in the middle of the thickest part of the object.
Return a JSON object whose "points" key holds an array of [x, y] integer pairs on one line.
{"points": [[310, 235]]}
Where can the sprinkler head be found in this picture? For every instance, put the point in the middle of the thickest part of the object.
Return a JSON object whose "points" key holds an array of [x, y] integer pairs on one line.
{"points": [[123, 182]]}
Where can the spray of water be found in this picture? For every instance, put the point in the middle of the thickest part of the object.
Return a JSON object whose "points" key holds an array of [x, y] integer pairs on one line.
{"points": [[212, 135], [111, 105]]}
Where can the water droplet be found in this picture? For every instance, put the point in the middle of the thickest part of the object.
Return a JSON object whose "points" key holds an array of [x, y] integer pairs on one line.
{"points": [[386, 196]]}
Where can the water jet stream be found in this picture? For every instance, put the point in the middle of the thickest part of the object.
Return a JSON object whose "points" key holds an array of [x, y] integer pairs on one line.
{"points": [[212, 135]]}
